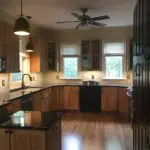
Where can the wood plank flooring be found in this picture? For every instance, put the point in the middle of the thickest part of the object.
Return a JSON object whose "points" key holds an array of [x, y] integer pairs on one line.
{"points": [[96, 132]]}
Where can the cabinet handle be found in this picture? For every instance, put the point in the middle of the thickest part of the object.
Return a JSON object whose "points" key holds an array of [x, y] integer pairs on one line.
{"points": [[138, 69]]}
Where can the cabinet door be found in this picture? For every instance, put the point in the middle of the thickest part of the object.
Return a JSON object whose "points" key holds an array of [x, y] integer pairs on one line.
{"points": [[109, 99], [123, 100], [27, 140], [37, 58], [66, 97], [20, 140], [37, 102], [4, 140], [45, 100], [37, 140], [74, 98]]}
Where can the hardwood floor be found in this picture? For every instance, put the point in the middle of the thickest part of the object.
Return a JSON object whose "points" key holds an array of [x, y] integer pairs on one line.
{"points": [[96, 132]]}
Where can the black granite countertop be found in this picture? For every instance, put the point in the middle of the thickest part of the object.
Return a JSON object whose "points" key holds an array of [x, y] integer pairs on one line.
{"points": [[6, 98], [31, 120]]}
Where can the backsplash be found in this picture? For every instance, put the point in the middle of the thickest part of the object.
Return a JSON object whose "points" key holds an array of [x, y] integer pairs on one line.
{"points": [[52, 77]]}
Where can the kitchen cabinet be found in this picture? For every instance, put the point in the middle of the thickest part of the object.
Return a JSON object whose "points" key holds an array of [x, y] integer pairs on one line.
{"points": [[56, 102], [20, 139], [71, 98], [114, 99], [37, 103], [28, 140], [91, 55], [4, 139], [52, 55], [37, 58], [41, 100], [109, 99], [12, 49], [123, 100], [45, 100], [14, 106]]}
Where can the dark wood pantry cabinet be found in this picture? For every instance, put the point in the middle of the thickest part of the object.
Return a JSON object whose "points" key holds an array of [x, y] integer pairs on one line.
{"points": [[141, 80]]}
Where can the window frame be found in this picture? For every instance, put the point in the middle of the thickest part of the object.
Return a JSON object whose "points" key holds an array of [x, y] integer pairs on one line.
{"points": [[78, 43], [123, 55], [62, 66]]}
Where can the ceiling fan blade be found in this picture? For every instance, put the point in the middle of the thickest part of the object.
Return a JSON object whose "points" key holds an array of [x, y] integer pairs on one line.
{"points": [[100, 18], [76, 15], [97, 24], [67, 21], [78, 26]]}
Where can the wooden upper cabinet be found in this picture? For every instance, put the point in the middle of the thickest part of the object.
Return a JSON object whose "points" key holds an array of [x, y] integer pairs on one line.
{"points": [[123, 100], [91, 55], [109, 99], [52, 55], [37, 58], [9, 46]]}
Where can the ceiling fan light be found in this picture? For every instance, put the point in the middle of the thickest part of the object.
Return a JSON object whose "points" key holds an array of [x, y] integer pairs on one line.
{"points": [[29, 46], [22, 27]]}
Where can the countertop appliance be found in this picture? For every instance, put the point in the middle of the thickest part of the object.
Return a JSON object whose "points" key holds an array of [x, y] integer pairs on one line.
{"points": [[90, 99]]}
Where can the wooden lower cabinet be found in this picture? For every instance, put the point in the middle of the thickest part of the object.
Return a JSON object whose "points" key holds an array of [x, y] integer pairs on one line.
{"points": [[32, 139], [14, 106], [28, 140], [114, 99], [37, 103], [123, 100], [71, 98], [109, 99], [4, 140]]}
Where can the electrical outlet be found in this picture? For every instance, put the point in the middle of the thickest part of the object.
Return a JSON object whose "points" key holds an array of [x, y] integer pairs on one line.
{"points": [[93, 77], [128, 77], [57, 77], [3, 82]]}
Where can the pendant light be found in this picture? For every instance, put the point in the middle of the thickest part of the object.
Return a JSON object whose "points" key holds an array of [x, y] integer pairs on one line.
{"points": [[22, 27], [29, 46]]}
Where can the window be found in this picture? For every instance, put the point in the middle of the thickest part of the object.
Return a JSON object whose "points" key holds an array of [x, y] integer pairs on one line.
{"points": [[70, 60], [114, 60]]}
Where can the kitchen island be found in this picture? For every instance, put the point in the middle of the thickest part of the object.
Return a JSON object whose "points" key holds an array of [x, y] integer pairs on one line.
{"points": [[31, 130]]}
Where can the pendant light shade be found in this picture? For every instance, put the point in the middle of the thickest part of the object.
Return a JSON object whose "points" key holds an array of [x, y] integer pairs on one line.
{"points": [[29, 46], [22, 27]]}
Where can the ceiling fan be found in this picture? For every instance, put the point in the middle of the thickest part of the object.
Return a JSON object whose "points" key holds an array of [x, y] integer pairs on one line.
{"points": [[86, 20]]}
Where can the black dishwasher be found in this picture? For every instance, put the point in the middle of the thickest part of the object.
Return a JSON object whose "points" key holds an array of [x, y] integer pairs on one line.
{"points": [[90, 99]]}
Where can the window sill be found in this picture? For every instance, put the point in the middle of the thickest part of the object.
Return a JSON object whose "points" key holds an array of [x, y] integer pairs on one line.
{"points": [[115, 79], [69, 79]]}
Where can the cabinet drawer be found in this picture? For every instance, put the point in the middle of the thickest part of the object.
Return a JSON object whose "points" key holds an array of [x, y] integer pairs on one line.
{"points": [[74, 88], [67, 88], [45, 93]]}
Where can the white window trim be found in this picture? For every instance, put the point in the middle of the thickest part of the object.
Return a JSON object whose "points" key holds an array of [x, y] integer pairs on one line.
{"points": [[61, 73], [62, 66], [104, 62]]}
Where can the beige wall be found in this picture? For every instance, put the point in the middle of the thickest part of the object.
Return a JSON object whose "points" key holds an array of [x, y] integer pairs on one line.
{"points": [[115, 34]]}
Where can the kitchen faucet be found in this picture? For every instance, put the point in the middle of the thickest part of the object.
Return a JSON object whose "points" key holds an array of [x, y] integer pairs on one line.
{"points": [[30, 78]]}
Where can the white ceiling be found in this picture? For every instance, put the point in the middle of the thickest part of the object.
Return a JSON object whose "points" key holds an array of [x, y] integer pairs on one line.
{"points": [[47, 12]]}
